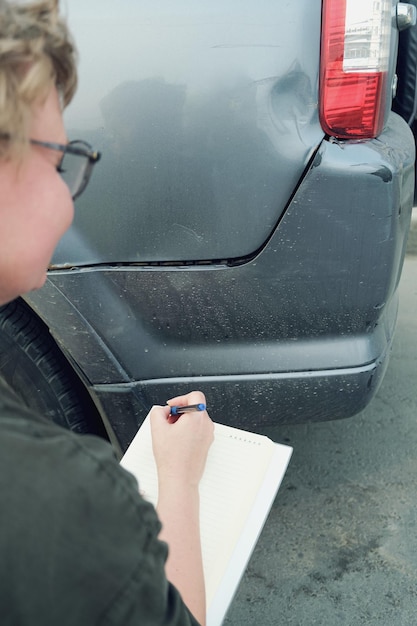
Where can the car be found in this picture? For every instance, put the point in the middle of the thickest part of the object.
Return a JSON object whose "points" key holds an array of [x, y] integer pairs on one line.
{"points": [[245, 230]]}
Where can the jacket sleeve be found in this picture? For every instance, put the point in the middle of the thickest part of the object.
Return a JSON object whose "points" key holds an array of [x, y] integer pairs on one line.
{"points": [[79, 544]]}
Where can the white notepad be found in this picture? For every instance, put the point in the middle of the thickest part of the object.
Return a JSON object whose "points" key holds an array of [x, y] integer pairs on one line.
{"points": [[242, 476]]}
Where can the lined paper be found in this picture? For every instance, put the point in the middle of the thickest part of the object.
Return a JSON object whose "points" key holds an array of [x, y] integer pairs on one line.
{"points": [[242, 476]]}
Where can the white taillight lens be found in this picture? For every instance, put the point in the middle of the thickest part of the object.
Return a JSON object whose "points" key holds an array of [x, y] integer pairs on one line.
{"points": [[355, 49]]}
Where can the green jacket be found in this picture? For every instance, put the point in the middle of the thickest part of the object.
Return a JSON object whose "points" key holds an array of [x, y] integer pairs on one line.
{"points": [[78, 545]]}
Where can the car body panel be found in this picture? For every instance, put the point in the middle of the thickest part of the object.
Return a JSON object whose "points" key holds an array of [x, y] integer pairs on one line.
{"points": [[300, 332], [207, 118]]}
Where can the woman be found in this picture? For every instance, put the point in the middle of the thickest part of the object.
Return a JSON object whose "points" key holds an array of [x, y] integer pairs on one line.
{"points": [[78, 544]]}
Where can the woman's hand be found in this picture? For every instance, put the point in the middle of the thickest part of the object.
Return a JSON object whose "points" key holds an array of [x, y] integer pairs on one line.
{"points": [[181, 446]]}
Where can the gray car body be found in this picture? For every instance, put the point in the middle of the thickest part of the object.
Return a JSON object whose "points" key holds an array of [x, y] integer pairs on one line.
{"points": [[224, 243]]}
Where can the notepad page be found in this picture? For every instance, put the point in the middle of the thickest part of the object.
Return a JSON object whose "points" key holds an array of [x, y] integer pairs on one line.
{"points": [[243, 548], [236, 465], [235, 469]]}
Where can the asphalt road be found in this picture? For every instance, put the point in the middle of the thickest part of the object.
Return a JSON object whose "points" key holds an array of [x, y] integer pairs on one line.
{"points": [[340, 545]]}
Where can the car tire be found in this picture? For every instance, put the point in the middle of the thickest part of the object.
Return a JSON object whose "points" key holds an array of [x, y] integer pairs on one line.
{"points": [[32, 364]]}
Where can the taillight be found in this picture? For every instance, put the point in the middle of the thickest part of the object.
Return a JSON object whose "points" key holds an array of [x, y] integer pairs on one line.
{"points": [[355, 49]]}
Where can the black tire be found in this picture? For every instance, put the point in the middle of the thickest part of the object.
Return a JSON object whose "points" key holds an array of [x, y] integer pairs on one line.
{"points": [[34, 367]]}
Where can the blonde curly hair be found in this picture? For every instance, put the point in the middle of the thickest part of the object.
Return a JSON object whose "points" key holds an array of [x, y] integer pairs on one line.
{"points": [[36, 51]]}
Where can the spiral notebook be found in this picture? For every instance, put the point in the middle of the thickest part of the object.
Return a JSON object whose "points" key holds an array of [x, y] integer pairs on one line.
{"points": [[242, 476]]}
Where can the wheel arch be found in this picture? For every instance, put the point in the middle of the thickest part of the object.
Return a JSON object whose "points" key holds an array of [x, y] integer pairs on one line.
{"points": [[26, 339]]}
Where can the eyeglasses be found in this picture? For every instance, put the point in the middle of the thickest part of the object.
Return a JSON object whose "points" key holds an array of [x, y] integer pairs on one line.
{"points": [[76, 164]]}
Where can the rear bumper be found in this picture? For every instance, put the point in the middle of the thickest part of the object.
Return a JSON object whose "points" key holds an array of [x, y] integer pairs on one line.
{"points": [[300, 331], [257, 400], [249, 401]]}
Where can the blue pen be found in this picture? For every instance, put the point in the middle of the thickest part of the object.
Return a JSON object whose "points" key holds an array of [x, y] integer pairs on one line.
{"points": [[179, 410]]}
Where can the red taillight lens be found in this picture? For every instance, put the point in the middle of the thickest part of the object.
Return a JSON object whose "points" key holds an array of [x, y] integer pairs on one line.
{"points": [[355, 49]]}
